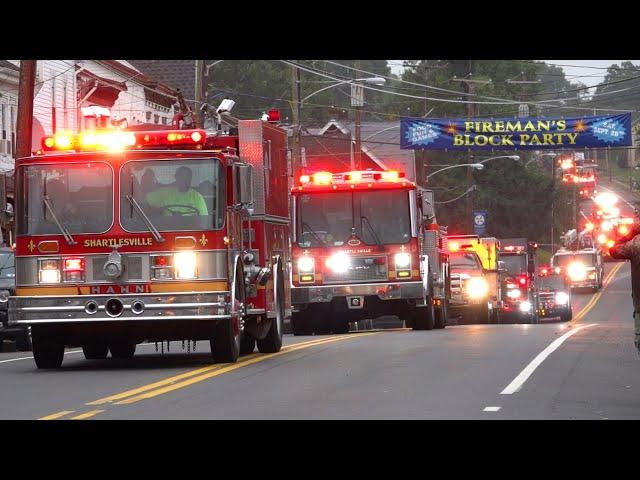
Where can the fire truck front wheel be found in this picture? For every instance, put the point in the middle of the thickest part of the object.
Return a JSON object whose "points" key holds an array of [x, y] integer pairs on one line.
{"points": [[47, 352], [424, 318], [225, 345]]}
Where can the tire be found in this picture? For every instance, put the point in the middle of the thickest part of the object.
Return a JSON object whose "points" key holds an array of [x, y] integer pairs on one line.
{"points": [[47, 353], [340, 326], [122, 350], [225, 345], [247, 344], [95, 351], [482, 316], [23, 343], [424, 318], [272, 343], [301, 323], [441, 317]]}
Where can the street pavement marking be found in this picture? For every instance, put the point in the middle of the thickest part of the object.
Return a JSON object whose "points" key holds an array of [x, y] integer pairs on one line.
{"points": [[57, 415], [27, 358], [191, 373], [88, 414], [231, 367], [522, 377], [491, 409]]}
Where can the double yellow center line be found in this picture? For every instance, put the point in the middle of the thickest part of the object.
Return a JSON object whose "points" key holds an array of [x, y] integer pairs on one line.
{"points": [[594, 299], [186, 379]]}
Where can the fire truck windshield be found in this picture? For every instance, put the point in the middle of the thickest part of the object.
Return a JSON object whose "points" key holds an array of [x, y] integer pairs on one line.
{"points": [[588, 259], [173, 194], [80, 196], [373, 216], [515, 264], [464, 261]]}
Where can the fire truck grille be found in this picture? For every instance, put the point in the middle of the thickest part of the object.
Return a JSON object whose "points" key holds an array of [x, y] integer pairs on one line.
{"points": [[457, 285], [132, 268], [362, 269], [547, 300]]}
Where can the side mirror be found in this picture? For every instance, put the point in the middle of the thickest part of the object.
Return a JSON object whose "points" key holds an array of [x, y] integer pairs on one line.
{"points": [[242, 184], [427, 204]]}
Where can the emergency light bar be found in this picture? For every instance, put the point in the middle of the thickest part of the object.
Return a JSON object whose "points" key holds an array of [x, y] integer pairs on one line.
{"points": [[328, 178], [513, 248], [118, 140]]}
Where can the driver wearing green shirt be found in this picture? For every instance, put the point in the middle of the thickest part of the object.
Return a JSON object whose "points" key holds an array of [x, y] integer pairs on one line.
{"points": [[179, 198]]}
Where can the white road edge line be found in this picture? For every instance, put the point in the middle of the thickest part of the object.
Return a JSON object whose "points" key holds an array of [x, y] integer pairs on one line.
{"points": [[27, 358], [491, 409], [522, 377]]}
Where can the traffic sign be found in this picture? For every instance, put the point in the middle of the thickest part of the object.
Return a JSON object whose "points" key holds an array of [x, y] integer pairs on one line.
{"points": [[479, 221]]}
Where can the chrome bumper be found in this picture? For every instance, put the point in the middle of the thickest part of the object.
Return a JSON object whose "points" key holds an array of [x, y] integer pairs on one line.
{"points": [[384, 291], [157, 307], [585, 284]]}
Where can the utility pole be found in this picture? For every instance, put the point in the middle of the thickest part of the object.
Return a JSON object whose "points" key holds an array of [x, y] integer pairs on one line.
{"points": [[553, 197], [471, 112], [357, 101], [24, 122], [296, 111], [523, 111], [200, 93], [608, 162]]}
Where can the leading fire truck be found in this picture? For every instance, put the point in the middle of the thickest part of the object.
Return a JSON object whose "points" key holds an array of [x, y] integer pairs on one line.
{"points": [[127, 236], [365, 244]]}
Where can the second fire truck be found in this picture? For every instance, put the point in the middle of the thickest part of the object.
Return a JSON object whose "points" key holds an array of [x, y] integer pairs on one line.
{"points": [[129, 236], [365, 244]]}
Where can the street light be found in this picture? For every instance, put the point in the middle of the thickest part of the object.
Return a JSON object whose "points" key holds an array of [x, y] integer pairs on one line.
{"points": [[475, 166]]}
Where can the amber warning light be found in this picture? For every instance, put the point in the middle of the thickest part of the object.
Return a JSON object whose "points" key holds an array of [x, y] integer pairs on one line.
{"points": [[118, 140]]}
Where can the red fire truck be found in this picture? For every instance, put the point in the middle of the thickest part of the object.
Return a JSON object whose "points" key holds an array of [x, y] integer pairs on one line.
{"points": [[365, 244], [127, 236]]}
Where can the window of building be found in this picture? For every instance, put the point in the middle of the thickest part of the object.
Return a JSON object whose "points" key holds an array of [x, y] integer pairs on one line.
{"points": [[156, 118], [148, 116], [164, 120], [2, 122]]}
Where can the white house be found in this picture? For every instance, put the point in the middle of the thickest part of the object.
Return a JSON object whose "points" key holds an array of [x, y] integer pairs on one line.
{"points": [[74, 95]]}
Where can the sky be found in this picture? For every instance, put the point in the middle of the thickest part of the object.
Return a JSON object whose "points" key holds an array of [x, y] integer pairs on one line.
{"points": [[576, 71]]}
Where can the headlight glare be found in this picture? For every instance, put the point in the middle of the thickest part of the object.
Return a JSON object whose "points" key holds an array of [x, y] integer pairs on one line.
{"points": [[185, 265], [562, 298], [306, 264], [477, 287], [402, 260], [338, 262], [525, 306]]}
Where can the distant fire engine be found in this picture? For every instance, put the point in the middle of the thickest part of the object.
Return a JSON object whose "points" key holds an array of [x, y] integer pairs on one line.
{"points": [[519, 280], [365, 244], [127, 236]]}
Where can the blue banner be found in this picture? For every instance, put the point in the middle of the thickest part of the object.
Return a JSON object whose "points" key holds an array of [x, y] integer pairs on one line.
{"points": [[515, 133]]}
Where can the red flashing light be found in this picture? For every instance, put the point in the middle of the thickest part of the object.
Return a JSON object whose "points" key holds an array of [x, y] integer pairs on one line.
{"points": [[391, 175], [454, 246], [274, 115], [74, 264]]}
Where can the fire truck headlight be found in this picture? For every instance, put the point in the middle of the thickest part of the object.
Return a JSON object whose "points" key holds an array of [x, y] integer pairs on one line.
{"points": [[562, 298], [602, 238], [525, 306], [306, 265], [514, 293], [49, 271], [606, 226], [402, 260], [577, 271], [185, 264], [477, 287], [339, 262]]}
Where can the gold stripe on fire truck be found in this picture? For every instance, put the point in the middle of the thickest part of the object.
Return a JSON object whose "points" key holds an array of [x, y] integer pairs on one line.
{"points": [[154, 288]]}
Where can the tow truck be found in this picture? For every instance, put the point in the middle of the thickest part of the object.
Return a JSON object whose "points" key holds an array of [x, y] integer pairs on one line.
{"points": [[365, 244], [132, 236], [476, 293], [519, 285]]}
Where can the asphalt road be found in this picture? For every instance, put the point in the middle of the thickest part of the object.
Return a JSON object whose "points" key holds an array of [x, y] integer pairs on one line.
{"points": [[584, 369]]}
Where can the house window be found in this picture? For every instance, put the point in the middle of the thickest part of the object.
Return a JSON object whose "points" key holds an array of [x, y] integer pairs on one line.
{"points": [[156, 119], [2, 124], [164, 120], [148, 116]]}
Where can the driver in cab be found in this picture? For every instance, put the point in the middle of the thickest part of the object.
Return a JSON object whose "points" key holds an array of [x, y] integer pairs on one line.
{"points": [[179, 198]]}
